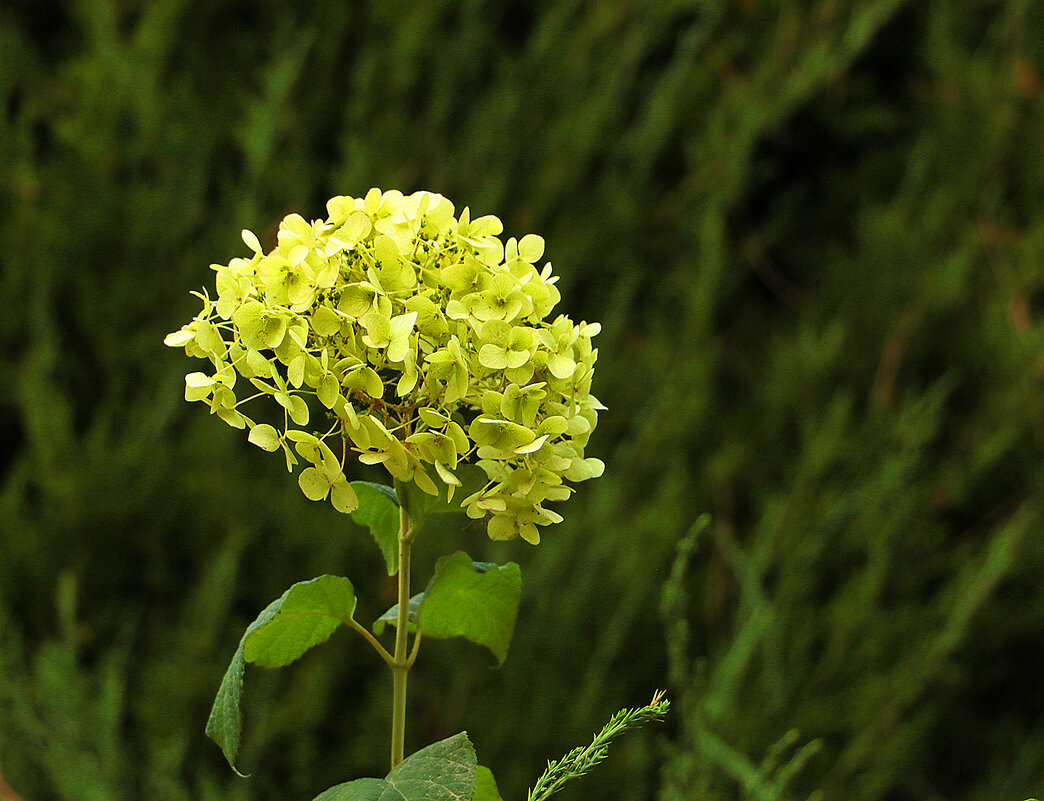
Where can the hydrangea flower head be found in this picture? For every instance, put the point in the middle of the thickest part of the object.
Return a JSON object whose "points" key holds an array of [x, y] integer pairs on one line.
{"points": [[397, 333]]}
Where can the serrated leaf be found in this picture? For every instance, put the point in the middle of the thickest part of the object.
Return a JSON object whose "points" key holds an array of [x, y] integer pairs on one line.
{"points": [[225, 724], [474, 600], [444, 771], [379, 511], [309, 614], [358, 790]]}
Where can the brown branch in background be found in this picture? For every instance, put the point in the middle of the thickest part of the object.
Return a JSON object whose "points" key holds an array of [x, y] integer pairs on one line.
{"points": [[6, 793], [773, 278], [1019, 314], [888, 368]]}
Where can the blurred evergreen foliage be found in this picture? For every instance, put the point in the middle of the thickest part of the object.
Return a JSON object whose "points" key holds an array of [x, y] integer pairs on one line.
{"points": [[814, 234]]}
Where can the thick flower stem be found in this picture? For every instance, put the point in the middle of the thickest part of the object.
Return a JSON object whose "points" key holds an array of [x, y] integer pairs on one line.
{"points": [[401, 664]]}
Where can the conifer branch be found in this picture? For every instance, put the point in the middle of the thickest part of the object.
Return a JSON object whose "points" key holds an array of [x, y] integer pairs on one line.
{"points": [[581, 759]]}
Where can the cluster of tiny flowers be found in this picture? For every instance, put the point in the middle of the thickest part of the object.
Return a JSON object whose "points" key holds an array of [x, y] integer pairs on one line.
{"points": [[420, 340]]}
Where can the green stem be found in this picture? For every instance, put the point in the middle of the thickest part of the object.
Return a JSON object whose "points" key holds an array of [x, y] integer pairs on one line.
{"points": [[401, 665], [380, 649]]}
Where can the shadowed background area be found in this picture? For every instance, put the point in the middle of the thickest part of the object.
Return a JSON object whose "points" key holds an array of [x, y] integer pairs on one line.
{"points": [[814, 235]]}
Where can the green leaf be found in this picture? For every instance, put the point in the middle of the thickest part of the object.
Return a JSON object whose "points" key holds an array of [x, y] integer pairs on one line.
{"points": [[310, 612], [444, 771], [474, 600], [485, 785], [225, 724], [359, 790], [392, 615], [420, 505], [379, 511]]}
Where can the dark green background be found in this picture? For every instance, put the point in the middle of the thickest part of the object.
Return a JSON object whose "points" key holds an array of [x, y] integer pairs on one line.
{"points": [[813, 232]]}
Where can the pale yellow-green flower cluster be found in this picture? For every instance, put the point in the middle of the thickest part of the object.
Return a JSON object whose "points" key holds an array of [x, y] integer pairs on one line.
{"points": [[421, 339]]}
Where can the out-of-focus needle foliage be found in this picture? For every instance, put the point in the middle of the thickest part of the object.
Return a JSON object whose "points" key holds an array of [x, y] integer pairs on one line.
{"points": [[813, 232]]}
